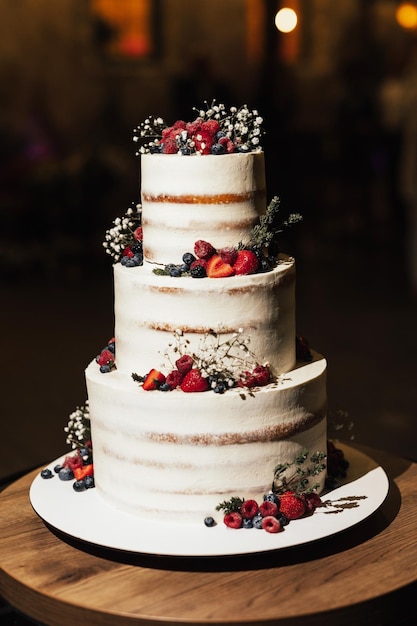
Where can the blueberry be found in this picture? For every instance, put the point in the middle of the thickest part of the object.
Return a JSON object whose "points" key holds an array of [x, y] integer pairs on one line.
{"points": [[111, 346], [247, 523], [220, 134], [79, 485], [175, 272], [66, 473], [257, 521], [89, 482], [105, 369], [217, 148], [271, 497], [155, 149], [188, 258], [164, 387], [209, 521], [46, 473], [130, 262], [219, 388], [58, 468], [283, 520], [138, 258], [124, 260]]}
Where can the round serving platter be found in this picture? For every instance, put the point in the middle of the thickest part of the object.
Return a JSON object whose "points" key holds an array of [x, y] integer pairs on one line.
{"points": [[87, 517]]}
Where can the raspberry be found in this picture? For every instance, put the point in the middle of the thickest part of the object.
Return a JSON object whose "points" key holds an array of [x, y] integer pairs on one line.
{"points": [[268, 508], [246, 263], [211, 126], [73, 461], [312, 501], [138, 233], [249, 509], [233, 520], [203, 249], [106, 357], [194, 382], [174, 379], [194, 127], [184, 364], [203, 141], [258, 378], [271, 524], [229, 255], [170, 146], [291, 505]]}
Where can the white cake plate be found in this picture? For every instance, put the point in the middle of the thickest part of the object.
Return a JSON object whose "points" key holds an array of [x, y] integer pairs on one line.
{"points": [[87, 517]]}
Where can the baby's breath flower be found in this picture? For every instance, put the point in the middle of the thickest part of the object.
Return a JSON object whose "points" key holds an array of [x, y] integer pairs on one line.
{"points": [[78, 427]]}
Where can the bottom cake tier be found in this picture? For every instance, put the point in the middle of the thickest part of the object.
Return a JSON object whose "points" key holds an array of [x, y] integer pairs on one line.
{"points": [[179, 455]]}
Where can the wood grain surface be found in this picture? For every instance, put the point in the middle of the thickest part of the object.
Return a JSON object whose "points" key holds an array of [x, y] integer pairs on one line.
{"points": [[367, 573]]}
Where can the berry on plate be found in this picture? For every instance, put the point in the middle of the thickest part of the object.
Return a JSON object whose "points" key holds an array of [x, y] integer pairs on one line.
{"points": [[233, 519], [271, 524], [249, 509], [291, 505]]}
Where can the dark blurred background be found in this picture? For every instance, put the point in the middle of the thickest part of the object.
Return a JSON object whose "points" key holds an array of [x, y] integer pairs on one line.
{"points": [[339, 98]]}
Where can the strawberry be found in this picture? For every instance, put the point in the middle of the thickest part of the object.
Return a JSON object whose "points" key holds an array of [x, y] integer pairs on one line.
{"points": [[82, 472], [174, 379], [233, 519], [291, 505], [184, 364], [203, 249], [229, 255], [246, 262], [268, 508], [217, 268], [153, 380], [271, 524], [105, 357], [193, 381], [138, 233], [249, 509]]}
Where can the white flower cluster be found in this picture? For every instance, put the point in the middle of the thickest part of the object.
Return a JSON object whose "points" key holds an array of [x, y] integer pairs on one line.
{"points": [[151, 128], [78, 427], [121, 234]]}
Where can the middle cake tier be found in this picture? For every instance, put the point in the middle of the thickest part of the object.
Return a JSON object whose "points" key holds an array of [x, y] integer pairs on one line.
{"points": [[150, 309]]}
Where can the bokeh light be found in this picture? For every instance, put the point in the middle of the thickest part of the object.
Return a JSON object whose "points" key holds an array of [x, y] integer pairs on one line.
{"points": [[406, 15], [286, 20]]}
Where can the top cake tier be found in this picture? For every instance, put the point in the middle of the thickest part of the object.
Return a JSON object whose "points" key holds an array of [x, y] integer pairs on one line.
{"points": [[184, 199]]}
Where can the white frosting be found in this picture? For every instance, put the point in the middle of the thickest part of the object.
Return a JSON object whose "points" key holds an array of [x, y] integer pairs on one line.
{"points": [[149, 309], [184, 199], [170, 453]]}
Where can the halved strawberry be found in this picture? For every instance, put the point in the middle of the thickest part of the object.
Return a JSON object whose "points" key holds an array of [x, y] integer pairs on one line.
{"points": [[217, 268], [153, 380], [194, 381], [82, 472], [246, 263]]}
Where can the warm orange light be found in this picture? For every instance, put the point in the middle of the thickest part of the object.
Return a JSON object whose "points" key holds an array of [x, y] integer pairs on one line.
{"points": [[406, 15], [286, 20]]}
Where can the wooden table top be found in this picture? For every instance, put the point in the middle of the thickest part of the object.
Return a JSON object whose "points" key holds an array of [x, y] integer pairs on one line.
{"points": [[360, 574]]}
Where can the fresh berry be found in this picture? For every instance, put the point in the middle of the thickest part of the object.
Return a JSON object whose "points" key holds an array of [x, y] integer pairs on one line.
{"points": [[198, 270], [184, 364], [73, 461], [153, 380], [128, 252], [229, 255], [302, 349], [138, 233], [259, 377], [271, 497], [46, 473], [209, 521], [170, 145], [247, 522], [58, 468], [233, 520], [211, 126], [311, 500], [217, 268], [203, 249], [106, 357], [271, 524], [249, 509], [89, 482], [82, 472], [267, 508], [173, 380], [203, 141], [257, 521], [246, 262], [188, 258], [291, 505], [78, 485], [66, 473], [194, 381]]}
